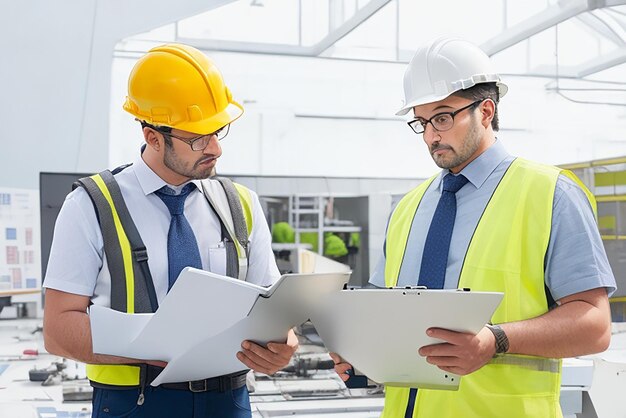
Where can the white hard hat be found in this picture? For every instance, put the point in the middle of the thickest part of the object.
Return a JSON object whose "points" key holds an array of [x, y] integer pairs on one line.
{"points": [[443, 67]]}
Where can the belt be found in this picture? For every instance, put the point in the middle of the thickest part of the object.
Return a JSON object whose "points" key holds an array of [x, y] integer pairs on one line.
{"points": [[221, 383]]}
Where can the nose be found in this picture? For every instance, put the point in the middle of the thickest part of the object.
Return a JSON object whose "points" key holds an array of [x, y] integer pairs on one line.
{"points": [[213, 147], [430, 134]]}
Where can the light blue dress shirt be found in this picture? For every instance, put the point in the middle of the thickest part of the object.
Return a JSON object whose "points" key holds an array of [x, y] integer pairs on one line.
{"points": [[576, 260], [77, 261]]}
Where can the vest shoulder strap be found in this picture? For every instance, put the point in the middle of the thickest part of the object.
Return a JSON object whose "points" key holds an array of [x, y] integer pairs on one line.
{"points": [[233, 205], [240, 221], [132, 288]]}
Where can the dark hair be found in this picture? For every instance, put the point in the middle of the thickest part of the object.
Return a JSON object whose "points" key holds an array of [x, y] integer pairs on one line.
{"points": [[483, 91], [163, 129]]}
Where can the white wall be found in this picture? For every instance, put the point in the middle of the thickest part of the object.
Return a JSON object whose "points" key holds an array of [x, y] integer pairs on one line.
{"points": [[270, 139], [57, 87], [55, 79]]}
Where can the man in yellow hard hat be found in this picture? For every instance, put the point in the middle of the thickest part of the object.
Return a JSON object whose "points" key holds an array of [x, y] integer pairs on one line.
{"points": [[492, 222], [123, 237]]}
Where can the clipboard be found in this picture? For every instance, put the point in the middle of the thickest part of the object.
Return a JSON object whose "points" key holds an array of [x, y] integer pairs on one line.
{"points": [[379, 331]]}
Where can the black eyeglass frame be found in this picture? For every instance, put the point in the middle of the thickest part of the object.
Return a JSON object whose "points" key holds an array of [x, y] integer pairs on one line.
{"points": [[192, 141], [421, 123]]}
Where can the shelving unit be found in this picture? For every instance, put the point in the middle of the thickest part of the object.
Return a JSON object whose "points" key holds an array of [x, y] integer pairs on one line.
{"points": [[306, 214]]}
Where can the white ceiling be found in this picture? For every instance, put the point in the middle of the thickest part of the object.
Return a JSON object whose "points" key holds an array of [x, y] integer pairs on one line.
{"points": [[579, 46]]}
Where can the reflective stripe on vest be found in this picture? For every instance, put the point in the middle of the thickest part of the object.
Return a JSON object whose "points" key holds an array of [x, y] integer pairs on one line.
{"points": [[508, 246], [131, 285]]}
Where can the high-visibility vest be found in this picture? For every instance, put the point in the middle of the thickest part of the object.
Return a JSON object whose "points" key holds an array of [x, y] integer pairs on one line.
{"points": [[506, 254], [132, 288]]}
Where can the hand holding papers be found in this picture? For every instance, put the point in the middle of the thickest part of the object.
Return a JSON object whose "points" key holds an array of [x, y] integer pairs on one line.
{"points": [[379, 331], [199, 327]]}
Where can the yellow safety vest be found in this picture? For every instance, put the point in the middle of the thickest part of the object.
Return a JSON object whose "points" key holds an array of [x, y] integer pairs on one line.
{"points": [[132, 289], [506, 254]]}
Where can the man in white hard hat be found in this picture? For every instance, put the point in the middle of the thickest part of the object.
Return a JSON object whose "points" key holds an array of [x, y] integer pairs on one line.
{"points": [[492, 222], [122, 238]]}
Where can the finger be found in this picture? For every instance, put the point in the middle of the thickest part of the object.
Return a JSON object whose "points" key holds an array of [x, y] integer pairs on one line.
{"points": [[444, 361], [444, 349], [336, 358], [451, 337], [255, 351], [283, 354], [342, 368], [157, 363], [283, 350], [263, 356], [271, 362], [454, 370], [256, 364]]}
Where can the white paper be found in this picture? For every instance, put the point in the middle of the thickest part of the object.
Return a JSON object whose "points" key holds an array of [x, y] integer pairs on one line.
{"points": [[199, 327], [198, 305]]}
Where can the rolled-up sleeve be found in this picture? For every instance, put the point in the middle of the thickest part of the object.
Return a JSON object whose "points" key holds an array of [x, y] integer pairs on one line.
{"points": [[576, 260]]}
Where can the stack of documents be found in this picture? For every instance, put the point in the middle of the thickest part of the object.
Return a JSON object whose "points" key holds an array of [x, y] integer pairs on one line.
{"points": [[199, 327]]}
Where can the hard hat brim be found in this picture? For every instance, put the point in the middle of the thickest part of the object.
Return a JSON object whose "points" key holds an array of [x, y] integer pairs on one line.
{"points": [[231, 113], [502, 90]]}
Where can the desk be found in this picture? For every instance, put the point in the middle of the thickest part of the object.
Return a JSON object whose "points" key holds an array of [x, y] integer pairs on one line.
{"points": [[5, 299], [16, 292]]}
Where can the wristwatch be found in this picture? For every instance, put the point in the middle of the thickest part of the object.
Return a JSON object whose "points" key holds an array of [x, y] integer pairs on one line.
{"points": [[502, 341]]}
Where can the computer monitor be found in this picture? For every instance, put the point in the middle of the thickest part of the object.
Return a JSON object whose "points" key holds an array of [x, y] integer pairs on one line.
{"points": [[53, 188]]}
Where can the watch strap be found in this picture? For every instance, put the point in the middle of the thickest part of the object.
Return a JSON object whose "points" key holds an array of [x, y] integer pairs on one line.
{"points": [[502, 341]]}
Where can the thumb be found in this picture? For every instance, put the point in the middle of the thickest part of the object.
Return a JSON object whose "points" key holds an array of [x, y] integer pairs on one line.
{"points": [[336, 358]]}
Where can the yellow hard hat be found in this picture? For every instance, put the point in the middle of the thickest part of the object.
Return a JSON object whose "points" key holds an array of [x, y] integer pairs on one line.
{"points": [[176, 85]]}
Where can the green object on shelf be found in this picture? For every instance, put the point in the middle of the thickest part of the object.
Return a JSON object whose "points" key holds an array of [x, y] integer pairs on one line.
{"points": [[355, 240], [283, 233], [309, 238], [334, 246]]}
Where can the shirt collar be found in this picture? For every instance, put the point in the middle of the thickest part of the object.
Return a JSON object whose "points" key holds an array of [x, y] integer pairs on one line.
{"points": [[151, 182], [481, 168]]}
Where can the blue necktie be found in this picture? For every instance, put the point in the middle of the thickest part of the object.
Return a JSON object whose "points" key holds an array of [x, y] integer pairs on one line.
{"points": [[182, 247], [437, 245]]}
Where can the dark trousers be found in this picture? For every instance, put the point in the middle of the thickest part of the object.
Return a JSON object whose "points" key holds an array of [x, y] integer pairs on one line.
{"points": [[171, 403]]}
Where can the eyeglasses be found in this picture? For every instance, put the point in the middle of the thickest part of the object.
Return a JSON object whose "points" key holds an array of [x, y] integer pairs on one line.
{"points": [[199, 143], [443, 121]]}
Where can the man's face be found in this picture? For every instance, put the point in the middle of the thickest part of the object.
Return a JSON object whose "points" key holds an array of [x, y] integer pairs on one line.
{"points": [[195, 165], [455, 148]]}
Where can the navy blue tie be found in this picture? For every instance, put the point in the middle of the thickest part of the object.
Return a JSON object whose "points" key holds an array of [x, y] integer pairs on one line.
{"points": [[436, 248], [437, 245], [182, 247]]}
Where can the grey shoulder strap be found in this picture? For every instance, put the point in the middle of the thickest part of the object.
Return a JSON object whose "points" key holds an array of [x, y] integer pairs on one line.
{"points": [[239, 221], [224, 199], [144, 293]]}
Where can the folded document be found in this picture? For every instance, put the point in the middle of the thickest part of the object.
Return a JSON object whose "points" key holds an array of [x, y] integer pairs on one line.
{"points": [[199, 327]]}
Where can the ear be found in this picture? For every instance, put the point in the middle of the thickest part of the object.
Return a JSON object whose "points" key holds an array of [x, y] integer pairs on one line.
{"points": [[152, 139], [488, 110]]}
